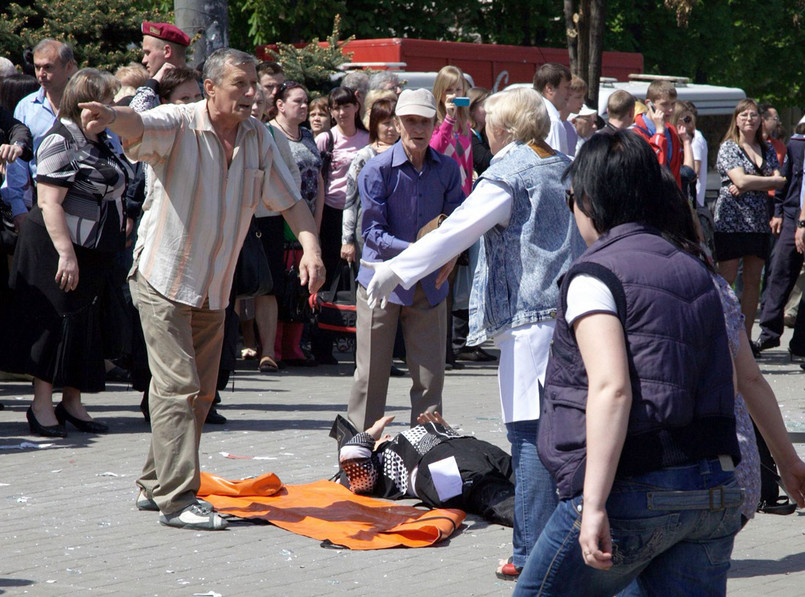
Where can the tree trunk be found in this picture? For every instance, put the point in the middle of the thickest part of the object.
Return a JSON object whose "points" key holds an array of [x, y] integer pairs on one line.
{"points": [[583, 28], [572, 35], [210, 19], [597, 21], [585, 41]]}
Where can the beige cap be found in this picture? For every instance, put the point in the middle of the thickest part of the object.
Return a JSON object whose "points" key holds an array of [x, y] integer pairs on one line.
{"points": [[416, 102]]}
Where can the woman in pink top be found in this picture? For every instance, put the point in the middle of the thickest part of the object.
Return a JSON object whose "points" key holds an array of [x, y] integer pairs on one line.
{"points": [[452, 135]]}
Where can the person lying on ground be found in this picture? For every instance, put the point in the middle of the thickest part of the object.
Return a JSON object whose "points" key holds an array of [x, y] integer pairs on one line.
{"points": [[434, 463]]}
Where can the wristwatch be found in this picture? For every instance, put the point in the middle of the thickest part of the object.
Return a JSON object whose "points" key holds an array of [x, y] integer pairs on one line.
{"points": [[801, 224]]}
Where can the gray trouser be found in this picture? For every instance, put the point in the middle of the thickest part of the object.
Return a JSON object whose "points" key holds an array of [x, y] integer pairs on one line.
{"points": [[425, 333], [184, 350]]}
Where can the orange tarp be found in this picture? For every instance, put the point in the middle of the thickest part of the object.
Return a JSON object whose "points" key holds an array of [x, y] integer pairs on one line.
{"points": [[327, 510]]}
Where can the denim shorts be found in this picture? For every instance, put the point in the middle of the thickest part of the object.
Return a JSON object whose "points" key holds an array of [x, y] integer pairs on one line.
{"points": [[672, 533]]}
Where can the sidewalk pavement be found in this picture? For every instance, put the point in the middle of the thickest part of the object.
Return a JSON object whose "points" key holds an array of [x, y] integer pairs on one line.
{"points": [[68, 522]]}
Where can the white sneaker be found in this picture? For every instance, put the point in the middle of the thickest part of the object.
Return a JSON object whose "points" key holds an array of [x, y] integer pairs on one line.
{"points": [[144, 502], [194, 516]]}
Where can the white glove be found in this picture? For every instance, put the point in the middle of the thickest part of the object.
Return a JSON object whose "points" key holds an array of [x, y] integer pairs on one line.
{"points": [[383, 283]]}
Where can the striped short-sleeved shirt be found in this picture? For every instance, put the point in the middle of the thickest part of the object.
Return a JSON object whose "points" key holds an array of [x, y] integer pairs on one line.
{"points": [[197, 210], [95, 180]]}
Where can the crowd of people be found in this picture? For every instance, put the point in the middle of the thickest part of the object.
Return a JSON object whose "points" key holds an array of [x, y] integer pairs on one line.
{"points": [[582, 248]]}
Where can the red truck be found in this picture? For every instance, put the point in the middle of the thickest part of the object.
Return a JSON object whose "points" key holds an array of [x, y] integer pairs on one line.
{"points": [[490, 65]]}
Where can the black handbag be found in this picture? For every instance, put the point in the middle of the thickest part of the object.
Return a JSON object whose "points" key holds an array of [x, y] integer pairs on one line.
{"points": [[252, 274], [335, 307]]}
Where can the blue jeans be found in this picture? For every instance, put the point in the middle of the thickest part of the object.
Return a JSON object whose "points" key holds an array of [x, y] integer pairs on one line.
{"points": [[670, 531], [534, 489]]}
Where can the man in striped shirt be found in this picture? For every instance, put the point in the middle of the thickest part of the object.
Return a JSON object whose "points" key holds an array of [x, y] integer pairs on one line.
{"points": [[213, 165]]}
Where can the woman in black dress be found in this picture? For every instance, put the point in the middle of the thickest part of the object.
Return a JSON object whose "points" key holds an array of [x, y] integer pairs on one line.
{"points": [[63, 263]]}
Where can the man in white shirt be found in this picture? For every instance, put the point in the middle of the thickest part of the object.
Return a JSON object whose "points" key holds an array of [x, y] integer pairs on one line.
{"points": [[213, 165], [552, 80]]}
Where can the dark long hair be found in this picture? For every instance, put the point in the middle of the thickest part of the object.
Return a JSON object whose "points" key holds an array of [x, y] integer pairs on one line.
{"points": [[344, 95], [617, 179], [15, 87]]}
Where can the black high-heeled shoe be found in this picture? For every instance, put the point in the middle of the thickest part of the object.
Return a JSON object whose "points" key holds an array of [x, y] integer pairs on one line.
{"points": [[86, 426], [44, 430]]}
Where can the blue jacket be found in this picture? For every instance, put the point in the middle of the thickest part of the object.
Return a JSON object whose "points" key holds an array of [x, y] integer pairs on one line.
{"points": [[519, 265], [681, 372], [786, 199]]}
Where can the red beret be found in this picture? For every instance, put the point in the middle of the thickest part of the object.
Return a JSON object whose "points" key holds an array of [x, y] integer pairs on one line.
{"points": [[167, 32]]}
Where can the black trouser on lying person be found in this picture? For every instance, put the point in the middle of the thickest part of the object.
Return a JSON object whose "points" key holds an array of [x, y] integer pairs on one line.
{"points": [[430, 462]]}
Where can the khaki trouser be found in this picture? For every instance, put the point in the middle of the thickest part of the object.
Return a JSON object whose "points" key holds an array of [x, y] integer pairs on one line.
{"points": [[424, 331], [184, 351]]}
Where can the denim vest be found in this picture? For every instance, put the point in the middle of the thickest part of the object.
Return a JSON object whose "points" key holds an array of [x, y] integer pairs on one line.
{"points": [[676, 342], [519, 265]]}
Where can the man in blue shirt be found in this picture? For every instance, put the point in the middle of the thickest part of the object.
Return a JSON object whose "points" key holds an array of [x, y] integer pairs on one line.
{"points": [[402, 190], [54, 63]]}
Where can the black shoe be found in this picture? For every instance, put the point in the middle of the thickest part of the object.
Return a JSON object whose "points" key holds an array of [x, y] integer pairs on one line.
{"points": [[760, 345], [326, 359], [795, 358], [475, 353], [118, 374], [215, 418], [144, 407], [311, 362], [396, 372], [86, 426], [45, 431], [453, 365], [217, 399]]}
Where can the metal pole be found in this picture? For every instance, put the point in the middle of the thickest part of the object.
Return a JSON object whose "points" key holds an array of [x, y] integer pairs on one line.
{"points": [[210, 19]]}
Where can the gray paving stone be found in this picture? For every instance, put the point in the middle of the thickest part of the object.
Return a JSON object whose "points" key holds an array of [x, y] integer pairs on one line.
{"points": [[68, 526]]}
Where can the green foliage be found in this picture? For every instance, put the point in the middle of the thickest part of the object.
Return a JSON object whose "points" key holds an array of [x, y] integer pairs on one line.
{"points": [[725, 42], [314, 64], [522, 23], [281, 20], [103, 35]]}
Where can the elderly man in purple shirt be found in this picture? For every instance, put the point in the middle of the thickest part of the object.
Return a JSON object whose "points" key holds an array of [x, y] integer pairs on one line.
{"points": [[402, 190]]}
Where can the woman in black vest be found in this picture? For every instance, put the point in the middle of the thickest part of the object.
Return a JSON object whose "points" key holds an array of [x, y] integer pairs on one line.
{"points": [[637, 415]]}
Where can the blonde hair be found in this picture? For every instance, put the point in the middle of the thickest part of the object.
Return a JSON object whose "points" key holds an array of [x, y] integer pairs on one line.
{"points": [[373, 96], [578, 85], [87, 85], [132, 75], [520, 113], [449, 76]]}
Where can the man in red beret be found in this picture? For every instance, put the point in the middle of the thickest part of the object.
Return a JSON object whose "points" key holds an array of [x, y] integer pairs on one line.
{"points": [[164, 47], [163, 42]]}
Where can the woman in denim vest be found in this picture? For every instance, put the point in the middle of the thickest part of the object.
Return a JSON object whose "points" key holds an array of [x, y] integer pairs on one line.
{"points": [[529, 241]]}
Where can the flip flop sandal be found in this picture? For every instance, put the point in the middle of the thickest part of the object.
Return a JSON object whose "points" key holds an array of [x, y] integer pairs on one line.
{"points": [[508, 571], [268, 365]]}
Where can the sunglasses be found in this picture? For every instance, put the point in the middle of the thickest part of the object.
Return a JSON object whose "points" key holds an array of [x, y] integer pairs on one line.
{"points": [[687, 119], [287, 85], [570, 197]]}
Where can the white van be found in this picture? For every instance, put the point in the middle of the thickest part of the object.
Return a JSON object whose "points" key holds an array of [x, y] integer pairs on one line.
{"points": [[409, 79], [714, 104]]}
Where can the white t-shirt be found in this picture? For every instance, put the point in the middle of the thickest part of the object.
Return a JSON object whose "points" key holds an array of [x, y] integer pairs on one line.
{"points": [[557, 135], [699, 147], [587, 294]]}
